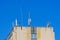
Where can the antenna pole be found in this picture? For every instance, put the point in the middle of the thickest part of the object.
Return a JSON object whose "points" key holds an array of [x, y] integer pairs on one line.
{"points": [[48, 24], [16, 22], [29, 20], [21, 18]]}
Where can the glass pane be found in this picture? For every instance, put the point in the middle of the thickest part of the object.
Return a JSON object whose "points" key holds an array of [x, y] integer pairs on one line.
{"points": [[33, 35]]}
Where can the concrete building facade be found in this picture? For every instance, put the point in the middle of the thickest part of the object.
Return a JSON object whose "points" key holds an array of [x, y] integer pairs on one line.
{"points": [[32, 33]]}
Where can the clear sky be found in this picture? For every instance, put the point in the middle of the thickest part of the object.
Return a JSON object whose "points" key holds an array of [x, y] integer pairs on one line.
{"points": [[41, 12]]}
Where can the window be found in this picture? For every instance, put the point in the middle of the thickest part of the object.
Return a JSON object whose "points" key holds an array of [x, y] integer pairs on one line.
{"points": [[33, 34], [33, 37]]}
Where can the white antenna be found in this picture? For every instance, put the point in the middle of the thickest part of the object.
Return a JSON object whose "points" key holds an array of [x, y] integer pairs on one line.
{"points": [[29, 20], [48, 24], [16, 22], [21, 17]]}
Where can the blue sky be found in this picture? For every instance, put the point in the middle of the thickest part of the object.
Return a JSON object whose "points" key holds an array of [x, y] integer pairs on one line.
{"points": [[41, 12]]}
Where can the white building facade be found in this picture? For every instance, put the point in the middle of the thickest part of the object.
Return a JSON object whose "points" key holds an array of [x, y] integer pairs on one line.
{"points": [[32, 33]]}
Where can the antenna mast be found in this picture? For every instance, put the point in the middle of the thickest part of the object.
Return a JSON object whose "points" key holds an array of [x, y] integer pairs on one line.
{"points": [[21, 18], [48, 24], [16, 22], [29, 20]]}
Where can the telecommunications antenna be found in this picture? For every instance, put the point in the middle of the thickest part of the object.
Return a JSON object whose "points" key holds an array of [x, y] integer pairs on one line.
{"points": [[21, 18], [29, 20]]}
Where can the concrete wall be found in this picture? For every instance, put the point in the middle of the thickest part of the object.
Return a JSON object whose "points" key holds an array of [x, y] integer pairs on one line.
{"points": [[43, 33]]}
